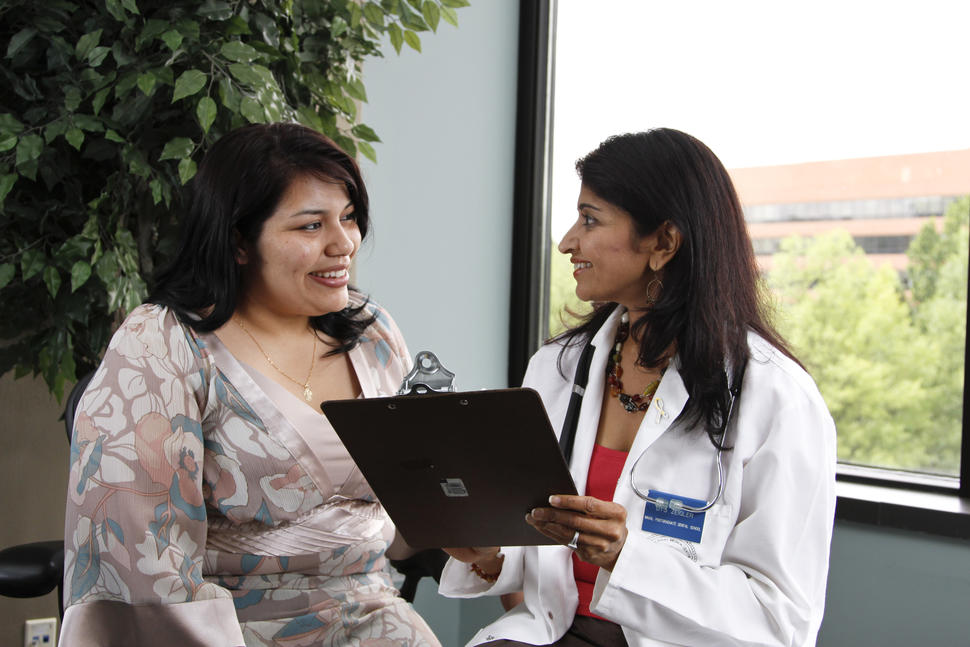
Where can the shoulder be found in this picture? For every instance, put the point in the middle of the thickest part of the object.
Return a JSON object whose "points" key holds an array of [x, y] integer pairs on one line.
{"points": [[152, 330], [382, 333], [781, 394]]}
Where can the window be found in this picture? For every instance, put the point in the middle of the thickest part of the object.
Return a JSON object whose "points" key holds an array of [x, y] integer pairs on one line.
{"points": [[847, 141]]}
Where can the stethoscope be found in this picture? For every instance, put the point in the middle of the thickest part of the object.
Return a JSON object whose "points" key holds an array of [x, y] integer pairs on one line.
{"points": [[571, 420]]}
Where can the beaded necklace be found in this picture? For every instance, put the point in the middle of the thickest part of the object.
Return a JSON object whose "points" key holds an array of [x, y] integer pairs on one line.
{"points": [[637, 401]]}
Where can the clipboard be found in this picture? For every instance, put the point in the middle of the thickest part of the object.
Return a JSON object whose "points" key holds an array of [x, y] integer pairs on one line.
{"points": [[456, 469]]}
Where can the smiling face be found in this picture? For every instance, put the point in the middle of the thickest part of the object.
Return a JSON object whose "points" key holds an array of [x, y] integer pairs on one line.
{"points": [[611, 262], [299, 265]]}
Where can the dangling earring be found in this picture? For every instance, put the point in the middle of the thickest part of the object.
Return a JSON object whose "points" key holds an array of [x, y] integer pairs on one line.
{"points": [[654, 289]]}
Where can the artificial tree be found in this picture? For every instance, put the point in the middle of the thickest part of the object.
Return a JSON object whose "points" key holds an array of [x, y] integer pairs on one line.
{"points": [[108, 105]]}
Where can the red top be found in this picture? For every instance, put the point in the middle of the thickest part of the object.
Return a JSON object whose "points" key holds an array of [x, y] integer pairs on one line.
{"points": [[604, 471]]}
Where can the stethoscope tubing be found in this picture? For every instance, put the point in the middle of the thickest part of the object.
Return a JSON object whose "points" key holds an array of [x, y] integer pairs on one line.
{"points": [[571, 421]]}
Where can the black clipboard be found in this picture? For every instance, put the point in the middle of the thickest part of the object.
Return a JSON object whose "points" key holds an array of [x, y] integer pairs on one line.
{"points": [[456, 469]]}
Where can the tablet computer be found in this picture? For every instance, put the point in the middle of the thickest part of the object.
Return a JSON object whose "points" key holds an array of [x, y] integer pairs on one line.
{"points": [[456, 469]]}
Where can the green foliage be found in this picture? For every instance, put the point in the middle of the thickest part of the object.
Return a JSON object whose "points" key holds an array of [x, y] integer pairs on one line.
{"points": [[888, 361], [107, 107]]}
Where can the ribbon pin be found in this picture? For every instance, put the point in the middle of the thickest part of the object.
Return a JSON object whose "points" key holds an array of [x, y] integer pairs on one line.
{"points": [[661, 414]]}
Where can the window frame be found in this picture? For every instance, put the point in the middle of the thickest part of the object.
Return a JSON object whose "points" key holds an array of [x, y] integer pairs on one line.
{"points": [[867, 495]]}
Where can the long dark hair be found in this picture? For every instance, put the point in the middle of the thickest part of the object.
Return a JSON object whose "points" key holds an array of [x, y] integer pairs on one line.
{"points": [[711, 293], [239, 184]]}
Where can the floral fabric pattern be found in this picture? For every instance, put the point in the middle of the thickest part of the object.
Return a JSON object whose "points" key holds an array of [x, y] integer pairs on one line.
{"points": [[192, 490]]}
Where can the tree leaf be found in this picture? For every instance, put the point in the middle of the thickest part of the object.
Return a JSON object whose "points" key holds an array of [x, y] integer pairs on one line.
{"points": [[245, 74], [31, 262], [80, 273], [215, 10], [131, 6], [10, 125], [29, 148], [397, 38], [239, 52], [188, 83], [187, 169], [205, 112], [18, 40], [86, 43], [97, 55], [374, 15], [88, 123], [74, 137], [355, 88], [112, 136], [252, 110], [146, 83], [365, 132], [72, 98], [177, 148], [457, 4], [115, 9], [53, 280], [7, 142], [7, 270], [173, 39], [412, 39], [450, 15], [6, 184], [431, 13], [367, 150], [98, 101]]}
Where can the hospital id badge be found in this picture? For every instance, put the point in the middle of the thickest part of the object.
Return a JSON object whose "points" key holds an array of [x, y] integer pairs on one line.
{"points": [[667, 517]]}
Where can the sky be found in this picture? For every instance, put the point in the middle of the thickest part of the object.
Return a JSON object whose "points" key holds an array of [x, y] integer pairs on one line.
{"points": [[760, 82]]}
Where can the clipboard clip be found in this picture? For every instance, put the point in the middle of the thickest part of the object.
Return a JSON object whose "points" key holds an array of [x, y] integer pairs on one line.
{"points": [[427, 376]]}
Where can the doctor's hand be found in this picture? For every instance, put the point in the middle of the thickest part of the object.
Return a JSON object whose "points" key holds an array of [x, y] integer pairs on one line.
{"points": [[601, 526]]}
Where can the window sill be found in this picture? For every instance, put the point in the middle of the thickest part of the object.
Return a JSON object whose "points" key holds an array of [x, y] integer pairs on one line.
{"points": [[944, 514]]}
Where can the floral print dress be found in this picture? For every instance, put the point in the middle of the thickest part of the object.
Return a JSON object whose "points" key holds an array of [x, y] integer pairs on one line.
{"points": [[209, 506]]}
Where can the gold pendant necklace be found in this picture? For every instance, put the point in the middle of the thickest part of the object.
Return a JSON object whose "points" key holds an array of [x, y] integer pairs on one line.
{"points": [[307, 393]]}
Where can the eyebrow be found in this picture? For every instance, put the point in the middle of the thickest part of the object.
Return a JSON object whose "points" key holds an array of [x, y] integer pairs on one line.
{"points": [[586, 205], [314, 212]]}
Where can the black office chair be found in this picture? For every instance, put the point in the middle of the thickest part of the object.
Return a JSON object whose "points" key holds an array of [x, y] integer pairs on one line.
{"points": [[35, 569], [426, 563]]}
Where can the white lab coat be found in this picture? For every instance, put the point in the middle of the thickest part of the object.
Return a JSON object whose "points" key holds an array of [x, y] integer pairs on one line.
{"points": [[758, 575]]}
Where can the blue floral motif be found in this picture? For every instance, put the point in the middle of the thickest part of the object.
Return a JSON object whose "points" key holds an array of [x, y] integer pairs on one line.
{"points": [[87, 567], [300, 626], [249, 599], [94, 462]]}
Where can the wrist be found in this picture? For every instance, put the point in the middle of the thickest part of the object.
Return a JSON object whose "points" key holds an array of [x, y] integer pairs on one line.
{"points": [[488, 568]]}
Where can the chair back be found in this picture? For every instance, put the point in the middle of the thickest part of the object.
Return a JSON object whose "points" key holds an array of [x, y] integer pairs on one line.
{"points": [[73, 398]]}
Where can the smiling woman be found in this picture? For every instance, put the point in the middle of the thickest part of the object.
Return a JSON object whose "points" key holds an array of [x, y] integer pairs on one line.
{"points": [[210, 502]]}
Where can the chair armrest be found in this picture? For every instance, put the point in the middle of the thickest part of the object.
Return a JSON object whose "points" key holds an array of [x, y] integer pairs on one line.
{"points": [[31, 570]]}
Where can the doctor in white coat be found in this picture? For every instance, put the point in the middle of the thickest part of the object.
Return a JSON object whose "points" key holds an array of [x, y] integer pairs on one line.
{"points": [[704, 451]]}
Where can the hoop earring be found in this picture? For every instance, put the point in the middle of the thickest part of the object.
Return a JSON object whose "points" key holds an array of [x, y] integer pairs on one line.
{"points": [[654, 289]]}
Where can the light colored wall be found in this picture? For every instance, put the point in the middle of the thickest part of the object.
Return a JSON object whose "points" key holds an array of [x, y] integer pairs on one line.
{"points": [[33, 479], [441, 193]]}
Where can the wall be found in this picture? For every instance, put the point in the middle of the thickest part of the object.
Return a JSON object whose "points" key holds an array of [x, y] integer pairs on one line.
{"points": [[896, 589], [441, 199], [33, 479]]}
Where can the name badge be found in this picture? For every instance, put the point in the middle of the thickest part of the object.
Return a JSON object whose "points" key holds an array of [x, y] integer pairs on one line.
{"points": [[668, 518]]}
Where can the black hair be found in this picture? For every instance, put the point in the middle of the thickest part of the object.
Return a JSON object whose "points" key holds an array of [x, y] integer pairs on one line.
{"points": [[239, 184], [712, 295]]}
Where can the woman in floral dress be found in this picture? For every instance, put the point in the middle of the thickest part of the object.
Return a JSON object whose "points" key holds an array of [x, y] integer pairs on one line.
{"points": [[210, 502]]}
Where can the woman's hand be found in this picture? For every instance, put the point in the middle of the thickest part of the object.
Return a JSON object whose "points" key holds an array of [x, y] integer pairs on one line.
{"points": [[601, 526]]}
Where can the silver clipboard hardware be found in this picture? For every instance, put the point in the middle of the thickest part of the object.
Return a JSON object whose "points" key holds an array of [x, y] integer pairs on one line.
{"points": [[427, 376]]}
